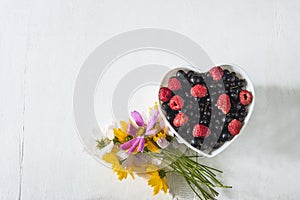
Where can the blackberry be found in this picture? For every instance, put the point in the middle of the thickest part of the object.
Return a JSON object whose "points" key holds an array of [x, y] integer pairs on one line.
{"points": [[194, 143], [218, 145], [226, 72], [170, 117], [195, 79], [180, 73], [190, 73], [241, 83], [225, 136], [165, 106]]}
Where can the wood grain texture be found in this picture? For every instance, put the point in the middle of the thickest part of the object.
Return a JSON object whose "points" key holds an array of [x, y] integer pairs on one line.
{"points": [[44, 43], [13, 56]]}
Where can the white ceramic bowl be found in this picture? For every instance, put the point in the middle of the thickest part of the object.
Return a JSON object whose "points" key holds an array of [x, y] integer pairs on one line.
{"points": [[231, 67]]}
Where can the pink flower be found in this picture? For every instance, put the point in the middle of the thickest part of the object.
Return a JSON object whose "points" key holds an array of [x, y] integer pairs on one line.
{"points": [[139, 133]]}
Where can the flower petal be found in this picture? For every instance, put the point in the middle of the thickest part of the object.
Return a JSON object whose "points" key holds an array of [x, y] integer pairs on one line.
{"points": [[137, 118], [151, 132], [124, 125], [121, 135], [162, 124], [164, 186], [162, 143], [128, 144], [141, 145], [153, 120], [132, 130], [152, 147], [134, 145]]}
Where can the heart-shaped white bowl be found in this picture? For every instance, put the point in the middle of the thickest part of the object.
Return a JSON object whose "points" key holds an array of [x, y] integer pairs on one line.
{"points": [[249, 86]]}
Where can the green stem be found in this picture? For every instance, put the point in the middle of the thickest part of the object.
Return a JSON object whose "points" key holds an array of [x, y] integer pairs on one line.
{"points": [[197, 175]]}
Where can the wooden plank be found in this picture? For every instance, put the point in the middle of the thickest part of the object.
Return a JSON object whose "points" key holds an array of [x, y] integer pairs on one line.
{"points": [[13, 47]]}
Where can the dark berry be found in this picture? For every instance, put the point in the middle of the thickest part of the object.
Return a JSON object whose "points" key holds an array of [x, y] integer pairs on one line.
{"points": [[234, 96], [190, 73], [195, 79], [225, 136], [165, 106], [241, 83], [170, 117], [217, 145], [180, 73], [195, 143], [226, 71]]}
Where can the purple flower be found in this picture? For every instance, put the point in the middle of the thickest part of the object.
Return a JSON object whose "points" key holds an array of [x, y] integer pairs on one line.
{"points": [[139, 132], [132, 144]]}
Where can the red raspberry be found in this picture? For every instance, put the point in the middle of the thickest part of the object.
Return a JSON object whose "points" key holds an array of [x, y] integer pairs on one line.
{"points": [[234, 127], [180, 119], [223, 103], [200, 130], [216, 73], [198, 91], [245, 97], [176, 102], [174, 84], [164, 94]]}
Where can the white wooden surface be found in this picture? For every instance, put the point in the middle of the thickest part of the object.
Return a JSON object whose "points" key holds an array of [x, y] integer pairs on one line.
{"points": [[44, 43]]}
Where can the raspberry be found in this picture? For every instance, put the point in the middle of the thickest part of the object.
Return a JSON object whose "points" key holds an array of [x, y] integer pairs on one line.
{"points": [[198, 91], [234, 127], [200, 130], [174, 84], [216, 73], [245, 97], [164, 94], [176, 102], [223, 103], [180, 119]]}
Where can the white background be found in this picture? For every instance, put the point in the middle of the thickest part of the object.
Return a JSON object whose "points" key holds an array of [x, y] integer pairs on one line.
{"points": [[44, 43]]}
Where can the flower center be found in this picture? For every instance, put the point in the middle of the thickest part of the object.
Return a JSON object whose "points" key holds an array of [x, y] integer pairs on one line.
{"points": [[162, 173], [140, 131]]}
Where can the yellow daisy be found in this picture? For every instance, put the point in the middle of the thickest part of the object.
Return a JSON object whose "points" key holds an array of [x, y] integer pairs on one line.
{"points": [[122, 172], [120, 134], [158, 181], [124, 126], [161, 134], [112, 158], [151, 146]]}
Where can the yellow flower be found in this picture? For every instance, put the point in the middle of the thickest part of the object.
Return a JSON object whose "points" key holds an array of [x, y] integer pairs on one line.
{"points": [[124, 126], [122, 172], [112, 158], [120, 135], [151, 146], [158, 182], [159, 135], [155, 107]]}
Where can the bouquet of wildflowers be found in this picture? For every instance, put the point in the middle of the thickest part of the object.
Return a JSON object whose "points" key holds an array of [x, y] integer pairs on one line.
{"points": [[148, 148]]}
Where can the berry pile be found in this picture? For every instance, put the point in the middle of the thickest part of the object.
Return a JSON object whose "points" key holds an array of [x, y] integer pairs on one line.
{"points": [[206, 109]]}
